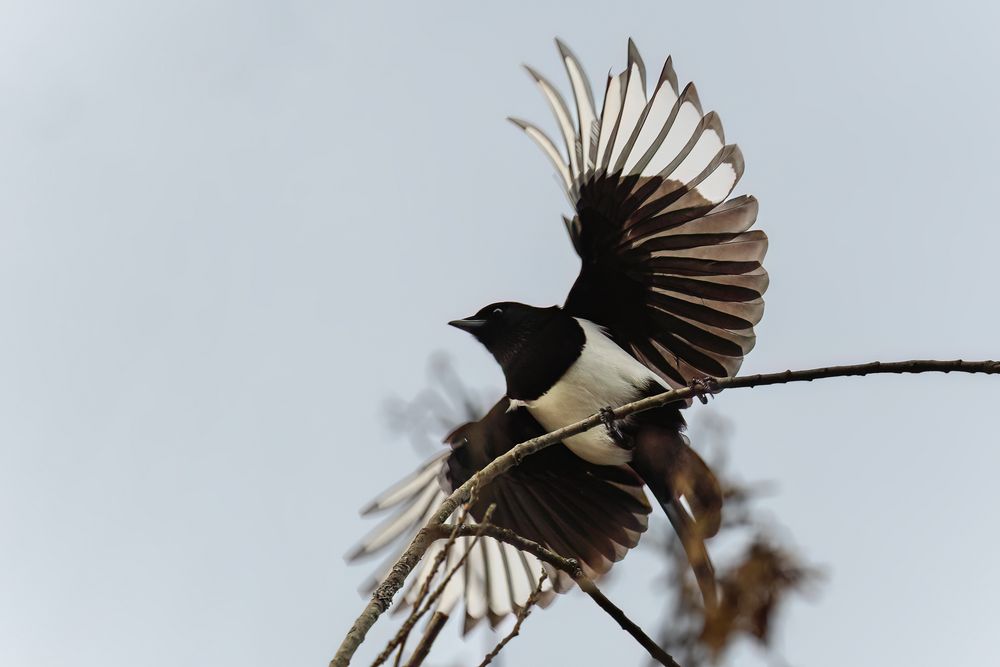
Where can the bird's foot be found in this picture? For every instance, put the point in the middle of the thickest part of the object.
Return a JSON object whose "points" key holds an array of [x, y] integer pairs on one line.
{"points": [[705, 387], [615, 429]]}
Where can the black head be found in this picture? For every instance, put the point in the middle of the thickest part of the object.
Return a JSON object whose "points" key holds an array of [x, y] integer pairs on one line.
{"points": [[534, 346], [506, 327]]}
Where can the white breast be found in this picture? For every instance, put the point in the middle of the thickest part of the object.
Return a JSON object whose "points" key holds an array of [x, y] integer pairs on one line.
{"points": [[604, 375]]}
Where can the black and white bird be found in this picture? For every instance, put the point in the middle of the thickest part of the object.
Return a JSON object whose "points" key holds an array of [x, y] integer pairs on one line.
{"points": [[669, 291]]}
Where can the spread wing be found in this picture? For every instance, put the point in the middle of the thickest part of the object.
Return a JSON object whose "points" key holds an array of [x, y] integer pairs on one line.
{"points": [[669, 266], [592, 513], [495, 578]]}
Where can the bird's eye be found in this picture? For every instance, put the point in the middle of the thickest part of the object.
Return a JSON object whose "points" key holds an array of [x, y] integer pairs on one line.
{"points": [[497, 312]]}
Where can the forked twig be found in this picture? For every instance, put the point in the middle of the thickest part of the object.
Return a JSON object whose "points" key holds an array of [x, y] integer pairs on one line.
{"points": [[521, 615], [419, 611], [587, 585]]}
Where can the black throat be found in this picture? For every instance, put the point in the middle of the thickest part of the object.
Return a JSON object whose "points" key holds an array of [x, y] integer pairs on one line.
{"points": [[537, 358]]}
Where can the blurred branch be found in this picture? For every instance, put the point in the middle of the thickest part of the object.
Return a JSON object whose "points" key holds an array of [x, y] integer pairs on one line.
{"points": [[753, 586], [382, 596], [449, 402]]}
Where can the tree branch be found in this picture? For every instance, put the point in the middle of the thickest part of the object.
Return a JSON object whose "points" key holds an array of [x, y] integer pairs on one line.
{"points": [[426, 599], [382, 596], [434, 627], [570, 567], [655, 650], [567, 565], [516, 630]]}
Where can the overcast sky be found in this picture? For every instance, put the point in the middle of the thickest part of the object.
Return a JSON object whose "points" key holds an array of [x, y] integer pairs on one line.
{"points": [[230, 230]]}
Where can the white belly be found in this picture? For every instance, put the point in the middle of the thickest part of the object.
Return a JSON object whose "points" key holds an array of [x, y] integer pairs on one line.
{"points": [[603, 376]]}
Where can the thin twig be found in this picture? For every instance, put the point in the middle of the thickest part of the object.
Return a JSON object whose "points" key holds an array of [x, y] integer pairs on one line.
{"points": [[476, 532], [654, 649], [516, 630], [568, 565], [572, 568], [434, 626], [383, 594], [401, 636], [404, 631]]}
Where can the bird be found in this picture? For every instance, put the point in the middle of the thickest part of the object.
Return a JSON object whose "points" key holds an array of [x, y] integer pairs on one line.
{"points": [[669, 291], [671, 279]]}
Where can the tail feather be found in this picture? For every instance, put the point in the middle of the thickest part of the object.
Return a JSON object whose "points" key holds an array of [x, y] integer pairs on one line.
{"points": [[697, 553], [672, 471], [694, 480]]}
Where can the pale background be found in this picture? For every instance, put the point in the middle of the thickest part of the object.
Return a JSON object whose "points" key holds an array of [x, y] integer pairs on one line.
{"points": [[229, 230]]}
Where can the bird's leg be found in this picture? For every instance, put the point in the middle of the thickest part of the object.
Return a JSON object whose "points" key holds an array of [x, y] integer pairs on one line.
{"points": [[704, 387], [616, 429]]}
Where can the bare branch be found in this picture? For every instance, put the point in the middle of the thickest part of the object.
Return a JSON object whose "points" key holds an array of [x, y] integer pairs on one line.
{"points": [[434, 626], [403, 634], [572, 568], [383, 594], [567, 565], [418, 611], [521, 615], [654, 649]]}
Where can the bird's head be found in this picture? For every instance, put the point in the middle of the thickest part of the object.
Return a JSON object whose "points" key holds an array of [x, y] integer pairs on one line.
{"points": [[532, 345], [507, 327]]}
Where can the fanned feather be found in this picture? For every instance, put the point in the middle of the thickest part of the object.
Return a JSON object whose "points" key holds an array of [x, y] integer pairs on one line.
{"points": [[592, 513], [653, 227]]}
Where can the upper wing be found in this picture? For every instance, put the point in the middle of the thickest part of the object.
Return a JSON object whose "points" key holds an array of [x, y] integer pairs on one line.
{"points": [[592, 513], [668, 265]]}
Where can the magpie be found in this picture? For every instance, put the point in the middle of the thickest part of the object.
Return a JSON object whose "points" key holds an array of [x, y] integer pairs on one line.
{"points": [[669, 291], [670, 285]]}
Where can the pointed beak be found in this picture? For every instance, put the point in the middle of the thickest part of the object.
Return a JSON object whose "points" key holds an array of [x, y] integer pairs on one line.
{"points": [[468, 324]]}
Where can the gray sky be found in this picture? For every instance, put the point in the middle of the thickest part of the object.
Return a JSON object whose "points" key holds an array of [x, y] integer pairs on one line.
{"points": [[229, 230]]}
